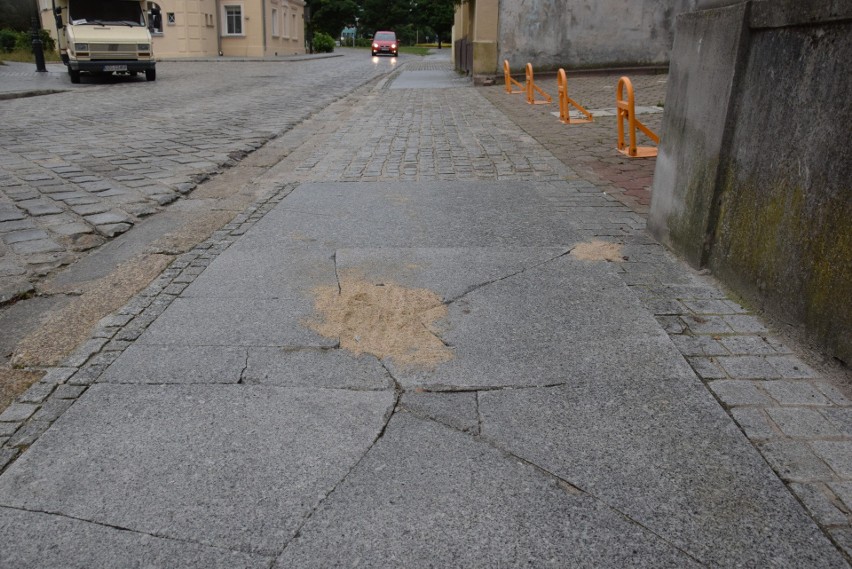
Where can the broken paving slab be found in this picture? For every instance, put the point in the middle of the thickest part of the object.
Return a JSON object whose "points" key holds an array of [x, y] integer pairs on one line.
{"points": [[270, 272], [38, 540], [449, 272], [229, 466], [554, 323], [666, 455], [456, 409], [235, 322], [415, 214], [315, 368], [141, 363], [430, 496]]}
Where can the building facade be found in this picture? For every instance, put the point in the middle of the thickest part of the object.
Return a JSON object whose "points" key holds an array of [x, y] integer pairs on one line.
{"points": [[566, 33]]}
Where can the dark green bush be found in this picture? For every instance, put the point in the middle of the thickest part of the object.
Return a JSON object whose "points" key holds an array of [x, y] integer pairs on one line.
{"points": [[8, 40], [323, 43], [11, 40]]}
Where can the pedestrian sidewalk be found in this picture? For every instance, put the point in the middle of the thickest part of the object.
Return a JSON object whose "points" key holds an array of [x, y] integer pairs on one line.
{"points": [[434, 344]]}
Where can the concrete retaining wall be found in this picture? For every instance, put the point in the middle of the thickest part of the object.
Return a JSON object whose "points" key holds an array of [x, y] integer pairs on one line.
{"points": [[753, 176], [587, 33]]}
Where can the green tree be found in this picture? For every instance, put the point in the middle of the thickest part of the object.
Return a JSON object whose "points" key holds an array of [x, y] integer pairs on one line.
{"points": [[435, 14], [331, 16], [384, 15], [17, 14]]}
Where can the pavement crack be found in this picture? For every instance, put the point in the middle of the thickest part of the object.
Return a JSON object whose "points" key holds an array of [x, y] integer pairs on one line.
{"points": [[242, 378], [476, 287], [564, 483], [388, 416], [130, 530], [336, 273]]}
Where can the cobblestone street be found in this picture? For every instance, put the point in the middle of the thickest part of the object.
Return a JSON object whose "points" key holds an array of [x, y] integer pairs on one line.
{"points": [[81, 167], [587, 399]]}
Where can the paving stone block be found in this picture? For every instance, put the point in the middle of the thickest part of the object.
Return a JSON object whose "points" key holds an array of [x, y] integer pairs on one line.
{"points": [[700, 324], [745, 323], [69, 391], [843, 538], [840, 417], [708, 306], [790, 367], [748, 345], [795, 461], [843, 490], [38, 246], [52, 409], [787, 392], [17, 412], [748, 367], [28, 434], [72, 229], [58, 375], [820, 506], [753, 422], [39, 207], [6, 429], [838, 455], [18, 225], [833, 392], [802, 422], [37, 392], [84, 352], [699, 346], [6, 456], [24, 235], [671, 324], [738, 392]]}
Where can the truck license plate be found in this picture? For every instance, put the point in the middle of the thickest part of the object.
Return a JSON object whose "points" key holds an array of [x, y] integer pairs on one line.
{"points": [[115, 68]]}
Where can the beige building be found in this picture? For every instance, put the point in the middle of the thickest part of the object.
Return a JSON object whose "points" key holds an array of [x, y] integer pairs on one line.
{"points": [[237, 28]]}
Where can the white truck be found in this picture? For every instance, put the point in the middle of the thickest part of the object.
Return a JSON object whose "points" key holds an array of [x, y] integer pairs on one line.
{"points": [[104, 37]]}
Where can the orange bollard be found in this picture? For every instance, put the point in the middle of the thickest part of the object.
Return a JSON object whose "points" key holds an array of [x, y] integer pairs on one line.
{"points": [[532, 88], [565, 102], [626, 110], [510, 81]]}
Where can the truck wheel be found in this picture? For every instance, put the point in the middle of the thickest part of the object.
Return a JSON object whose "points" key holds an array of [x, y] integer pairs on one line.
{"points": [[151, 74], [75, 75]]}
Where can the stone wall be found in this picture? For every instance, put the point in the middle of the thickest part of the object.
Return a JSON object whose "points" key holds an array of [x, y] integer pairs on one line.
{"points": [[753, 176], [587, 33]]}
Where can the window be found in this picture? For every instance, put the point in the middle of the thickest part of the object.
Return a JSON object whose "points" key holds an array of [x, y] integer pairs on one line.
{"points": [[233, 20], [286, 33], [170, 18], [155, 18], [275, 32]]}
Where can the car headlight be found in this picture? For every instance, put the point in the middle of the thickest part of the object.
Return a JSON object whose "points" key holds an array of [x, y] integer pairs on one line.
{"points": [[81, 47], [393, 46], [143, 47]]}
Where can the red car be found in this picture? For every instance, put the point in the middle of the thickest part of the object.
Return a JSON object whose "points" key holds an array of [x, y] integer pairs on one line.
{"points": [[385, 42]]}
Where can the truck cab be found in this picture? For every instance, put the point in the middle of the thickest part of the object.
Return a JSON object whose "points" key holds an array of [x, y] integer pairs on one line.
{"points": [[104, 37]]}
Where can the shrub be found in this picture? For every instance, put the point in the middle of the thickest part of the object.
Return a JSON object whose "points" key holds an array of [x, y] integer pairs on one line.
{"points": [[8, 40], [323, 43], [11, 40]]}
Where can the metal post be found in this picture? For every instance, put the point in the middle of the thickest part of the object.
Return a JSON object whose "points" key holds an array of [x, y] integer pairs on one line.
{"points": [[38, 48]]}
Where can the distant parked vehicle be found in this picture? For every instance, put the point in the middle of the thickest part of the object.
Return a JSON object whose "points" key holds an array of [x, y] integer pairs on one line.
{"points": [[385, 42]]}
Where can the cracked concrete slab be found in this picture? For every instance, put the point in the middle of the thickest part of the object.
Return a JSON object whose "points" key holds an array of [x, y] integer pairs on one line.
{"points": [[312, 367], [177, 364], [251, 272], [450, 272], [43, 540], [428, 495], [235, 322], [170, 460], [664, 453], [555, 323]]}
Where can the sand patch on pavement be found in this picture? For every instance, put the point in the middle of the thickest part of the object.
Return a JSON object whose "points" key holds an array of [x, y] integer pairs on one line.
{"points": [[13, 382], [598, 251], [64, 330], [383, 319]]}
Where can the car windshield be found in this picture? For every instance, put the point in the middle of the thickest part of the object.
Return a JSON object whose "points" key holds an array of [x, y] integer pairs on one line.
{"points": [[385, 36], [125, 12]]}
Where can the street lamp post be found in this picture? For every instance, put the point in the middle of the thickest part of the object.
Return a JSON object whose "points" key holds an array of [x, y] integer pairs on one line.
{"points": [[38, 47], [355, 31]]}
